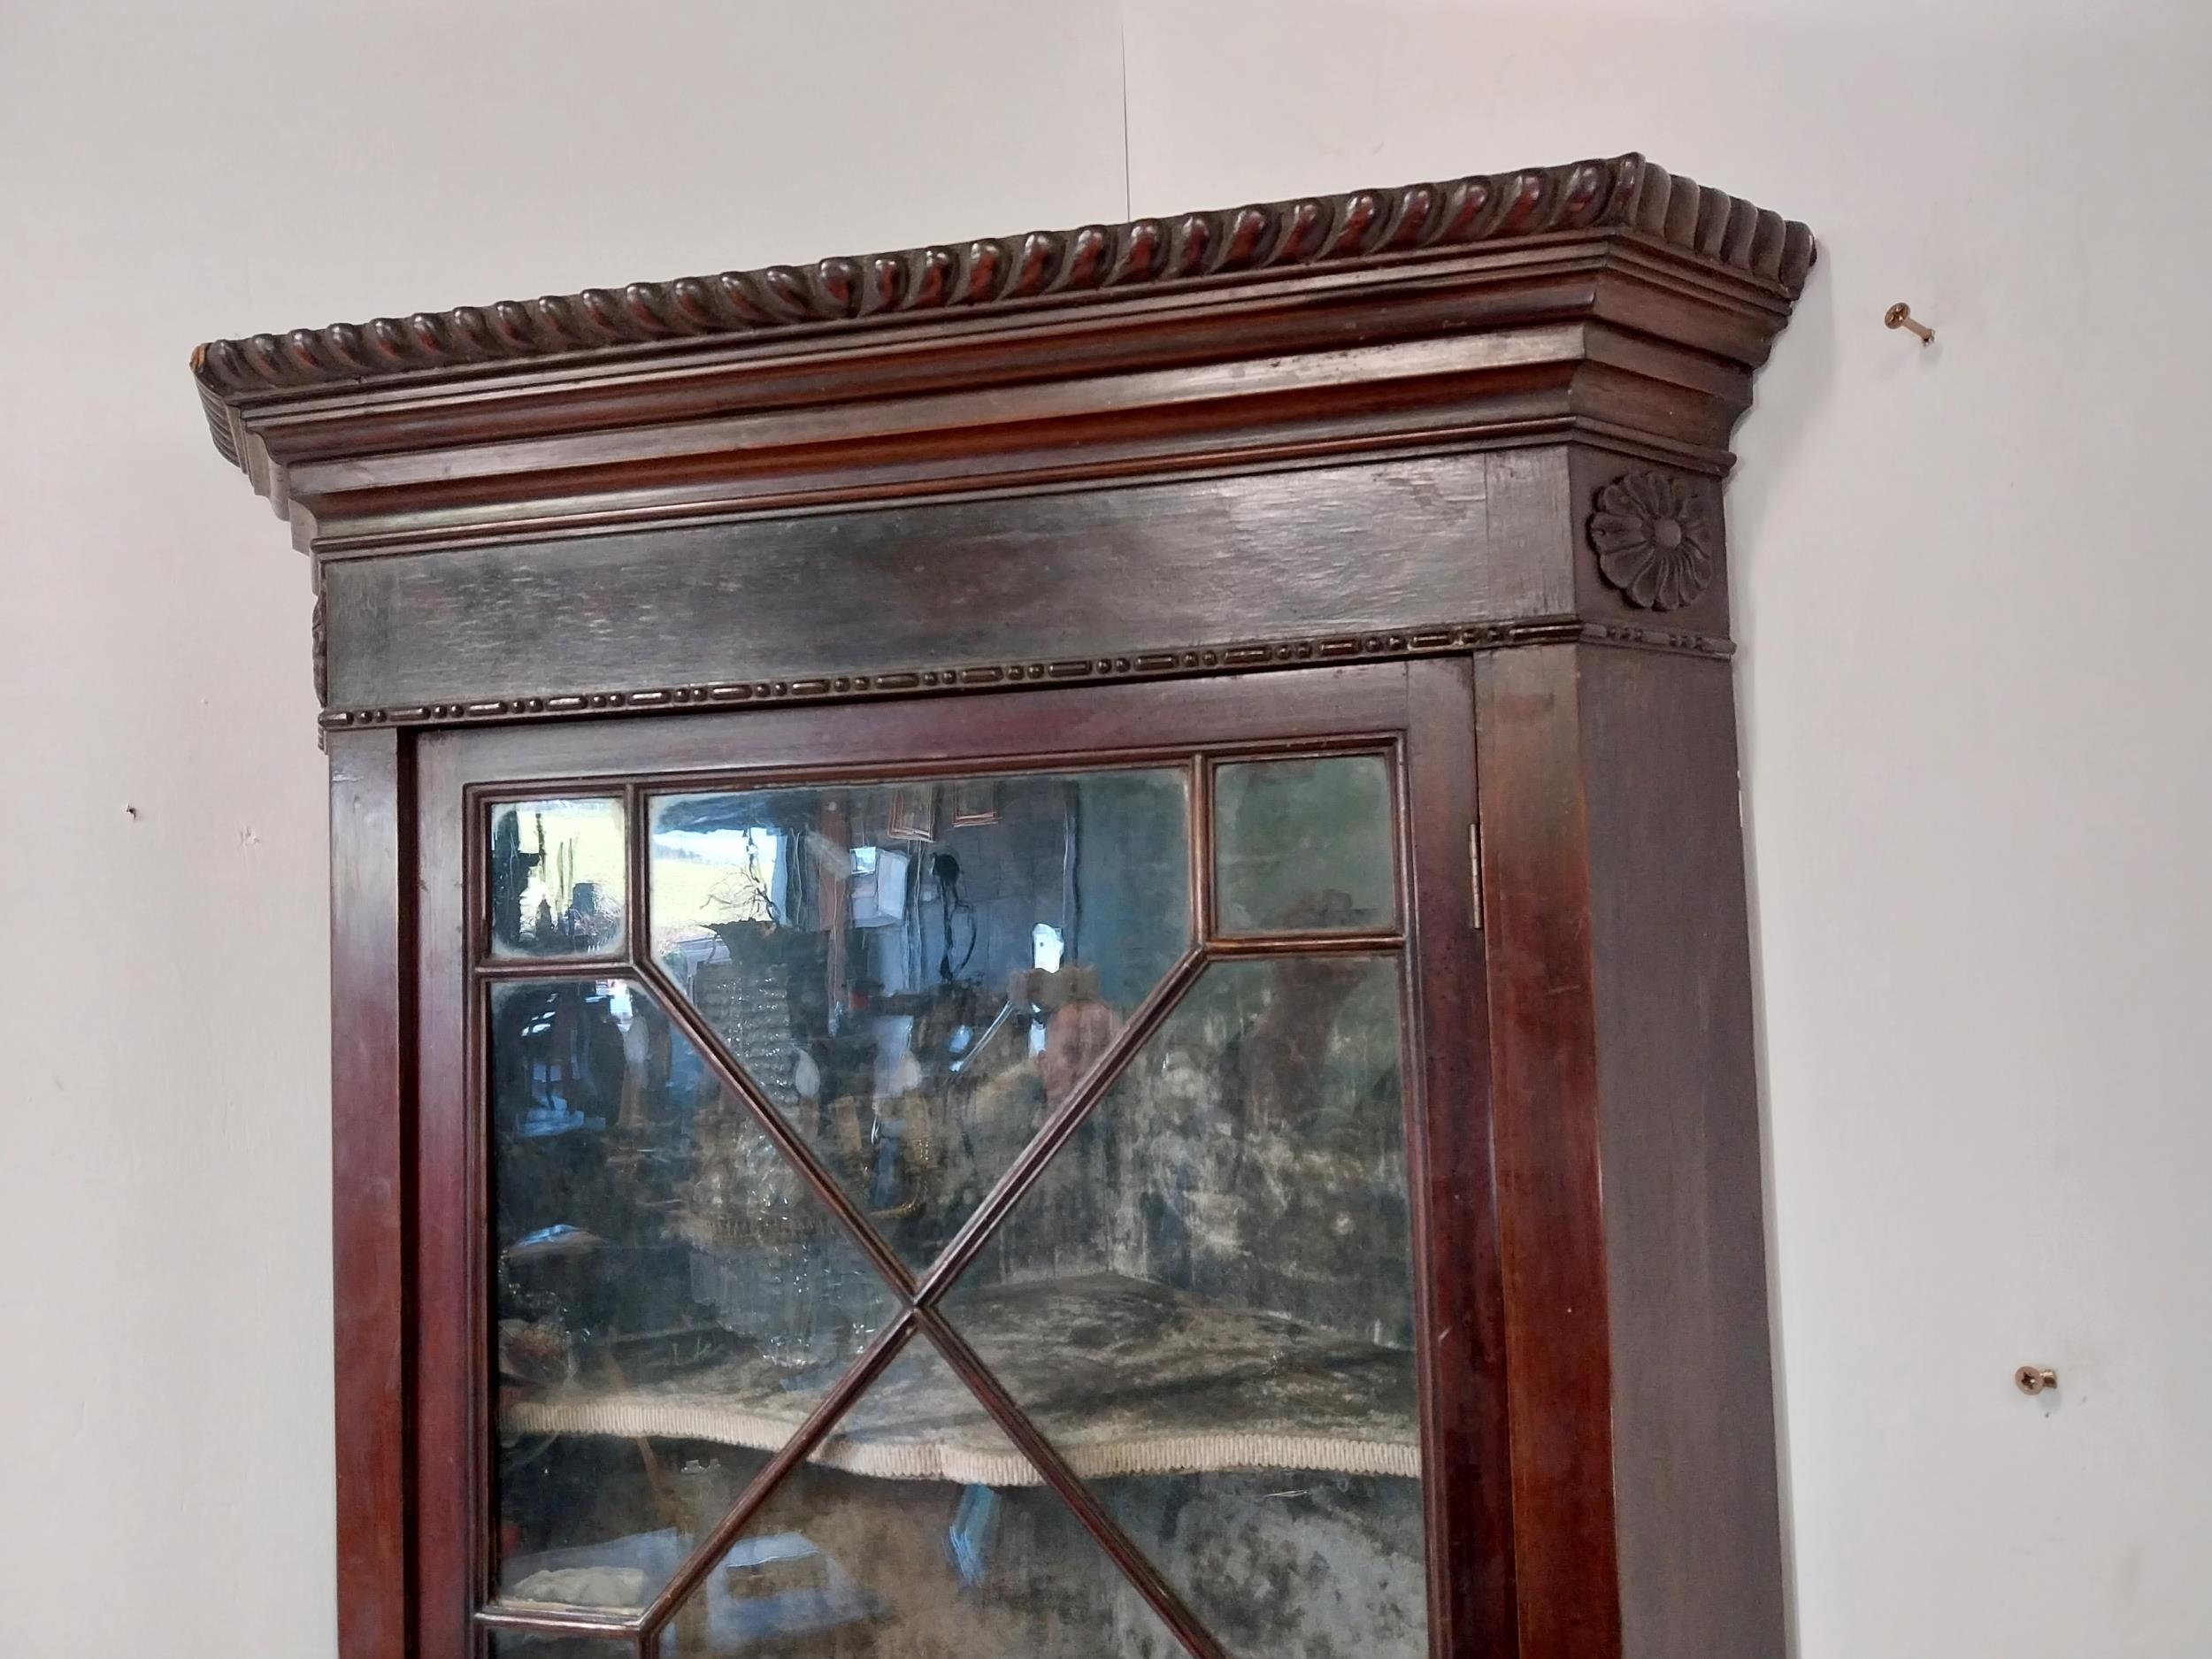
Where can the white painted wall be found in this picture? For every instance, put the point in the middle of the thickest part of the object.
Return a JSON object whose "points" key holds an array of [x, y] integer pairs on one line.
{"points": [[1977, 698]]}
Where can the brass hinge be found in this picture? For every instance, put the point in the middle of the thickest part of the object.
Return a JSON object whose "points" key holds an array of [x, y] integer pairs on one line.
{"points": [[1474, 874]]}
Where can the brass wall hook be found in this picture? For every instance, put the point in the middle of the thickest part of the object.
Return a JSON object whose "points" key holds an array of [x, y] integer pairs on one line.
{"points": [[2034, 1379], [1899, 316]]}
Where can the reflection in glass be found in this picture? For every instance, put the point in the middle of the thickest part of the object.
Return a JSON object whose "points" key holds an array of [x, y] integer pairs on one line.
{"points": [[517, 1644], [918, 1422], [1304, 846], [670, 1300], [942, 1546], [1206, 1304], [914, 974], [556, 878], [1282, 1560]]}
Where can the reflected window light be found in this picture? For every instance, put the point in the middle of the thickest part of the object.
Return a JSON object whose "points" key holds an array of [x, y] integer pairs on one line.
{"points": [[878, 892], [731, 875]]}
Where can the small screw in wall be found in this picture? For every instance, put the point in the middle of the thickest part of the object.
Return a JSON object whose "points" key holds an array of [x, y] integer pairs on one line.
{"points": [[1899, 316], [2034, 1379]]}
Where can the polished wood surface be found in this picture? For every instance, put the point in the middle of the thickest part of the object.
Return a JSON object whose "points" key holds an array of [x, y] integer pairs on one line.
{"points": [[1544, 1082], [1361, 230], [1437, 468], [1599, 296], [371, 1117], [1646, 1506], [1435, 555], [1466, 1473], [1694, 1477], [912, 590]]}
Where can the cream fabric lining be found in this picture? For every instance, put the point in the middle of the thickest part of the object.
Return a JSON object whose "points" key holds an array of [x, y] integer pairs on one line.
{"points": [[677, 1417], [1123, 1377]]}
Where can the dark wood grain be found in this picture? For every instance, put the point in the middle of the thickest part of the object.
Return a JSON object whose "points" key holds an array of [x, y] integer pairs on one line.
{"points": [[1445, 462], [1695, 1493], [1645, 1508], [912, 588], [1605, 301], [370, 1065], [922, 737], [1544, 1081], [451, 1566], [1362, 228], [1496, 368], [1467, 1459], [1591, 470]]}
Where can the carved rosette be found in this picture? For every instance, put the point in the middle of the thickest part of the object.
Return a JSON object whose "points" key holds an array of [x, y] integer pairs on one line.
{"points": [[1653, 540]]}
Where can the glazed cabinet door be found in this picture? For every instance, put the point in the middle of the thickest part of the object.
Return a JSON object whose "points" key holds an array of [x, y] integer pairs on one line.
{"points": [[989, 1176]]}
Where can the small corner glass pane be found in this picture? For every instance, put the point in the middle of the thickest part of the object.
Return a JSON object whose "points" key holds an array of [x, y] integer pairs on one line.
{"points": [[558, 877], [1304, 846]]}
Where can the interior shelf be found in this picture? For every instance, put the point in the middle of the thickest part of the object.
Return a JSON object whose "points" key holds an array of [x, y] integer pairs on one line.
{"points": [[1122, 1376]]}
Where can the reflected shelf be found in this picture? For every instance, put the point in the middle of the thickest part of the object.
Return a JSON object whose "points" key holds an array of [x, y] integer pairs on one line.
{"points": [[1122, 1376]]}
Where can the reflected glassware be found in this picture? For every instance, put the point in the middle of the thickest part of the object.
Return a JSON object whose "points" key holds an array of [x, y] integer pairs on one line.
{"points": [[766, 1256]]}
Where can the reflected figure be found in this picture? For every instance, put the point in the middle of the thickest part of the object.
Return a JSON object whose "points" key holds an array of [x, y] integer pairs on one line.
{"points": [[913, 974]]}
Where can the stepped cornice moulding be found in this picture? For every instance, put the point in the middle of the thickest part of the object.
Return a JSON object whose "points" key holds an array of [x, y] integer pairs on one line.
{"points": [[1605, 301]]}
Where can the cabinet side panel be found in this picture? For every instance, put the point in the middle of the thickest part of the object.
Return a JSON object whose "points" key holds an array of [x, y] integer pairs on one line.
{"points": [[1695, 1481], [1543, 1092], [368, 1153], [920, 587]]}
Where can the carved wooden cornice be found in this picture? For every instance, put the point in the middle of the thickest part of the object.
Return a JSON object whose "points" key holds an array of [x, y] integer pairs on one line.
{"points": [[1359, 227], [1606, 300]]}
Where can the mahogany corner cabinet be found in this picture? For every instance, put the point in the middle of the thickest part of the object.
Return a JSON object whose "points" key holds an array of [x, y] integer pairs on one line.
{"points": [[1039, 945]]}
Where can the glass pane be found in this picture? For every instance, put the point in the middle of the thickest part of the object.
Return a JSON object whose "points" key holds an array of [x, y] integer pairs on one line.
{"points": [[1206, 1304], [520, 1644], [671, 1299], [1284, 1561], [893, 1548], [558, 875], [1304, 846], [918, 1422], [915, 973]]}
